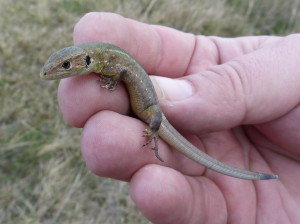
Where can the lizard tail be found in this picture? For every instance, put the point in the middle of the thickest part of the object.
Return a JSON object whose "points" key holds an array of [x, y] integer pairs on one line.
{"points": [[175, 139]]}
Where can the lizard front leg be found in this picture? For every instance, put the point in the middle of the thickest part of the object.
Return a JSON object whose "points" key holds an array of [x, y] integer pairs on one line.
{"points": [[111, 76]]}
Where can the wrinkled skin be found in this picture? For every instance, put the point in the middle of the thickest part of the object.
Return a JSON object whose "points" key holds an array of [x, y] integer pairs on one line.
{"points": [[235, 98]]}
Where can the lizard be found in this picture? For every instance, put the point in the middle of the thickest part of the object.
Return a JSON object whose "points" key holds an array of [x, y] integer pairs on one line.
{"points": [[114, 65]]}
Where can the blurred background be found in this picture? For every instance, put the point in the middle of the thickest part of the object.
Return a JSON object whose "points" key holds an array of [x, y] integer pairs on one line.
{"points": [[43, 178]]}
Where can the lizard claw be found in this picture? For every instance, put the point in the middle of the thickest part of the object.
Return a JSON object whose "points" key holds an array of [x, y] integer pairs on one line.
{"points": [[152, 136]]}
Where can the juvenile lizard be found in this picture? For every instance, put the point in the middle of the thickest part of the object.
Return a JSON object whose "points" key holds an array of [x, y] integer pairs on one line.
{"points": [[114, 65]]}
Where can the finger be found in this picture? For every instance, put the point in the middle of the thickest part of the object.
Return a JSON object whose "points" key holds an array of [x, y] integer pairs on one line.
{"points": [[81, 97], [112, 146], [161, 191], [254, 88], [111, 141], [160, 50]]}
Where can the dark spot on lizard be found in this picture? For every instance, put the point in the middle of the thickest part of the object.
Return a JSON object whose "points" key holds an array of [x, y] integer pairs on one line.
{"points": [[87, 61]]}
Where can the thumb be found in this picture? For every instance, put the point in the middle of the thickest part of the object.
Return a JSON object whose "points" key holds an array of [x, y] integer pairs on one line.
{"points": [[254, 88], [191, 105]]}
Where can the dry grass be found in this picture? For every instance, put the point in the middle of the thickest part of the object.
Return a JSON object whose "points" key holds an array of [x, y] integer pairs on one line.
{"points": [[42, 176]]}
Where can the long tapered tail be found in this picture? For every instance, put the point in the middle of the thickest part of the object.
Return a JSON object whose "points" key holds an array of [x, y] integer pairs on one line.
{"points": [[168, 133]]}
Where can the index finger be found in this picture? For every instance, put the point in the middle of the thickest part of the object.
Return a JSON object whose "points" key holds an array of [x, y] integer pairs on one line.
{"points": [[160, 50]]}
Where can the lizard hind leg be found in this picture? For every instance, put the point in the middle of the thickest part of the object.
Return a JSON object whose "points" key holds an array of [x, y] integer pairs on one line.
{"points": [[153, 135]]}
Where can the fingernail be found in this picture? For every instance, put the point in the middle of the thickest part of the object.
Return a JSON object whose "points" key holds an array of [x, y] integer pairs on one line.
{"points": [[172, 89]]}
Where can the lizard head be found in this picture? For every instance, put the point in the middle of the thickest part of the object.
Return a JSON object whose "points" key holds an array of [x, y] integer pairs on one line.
{"points": [[69, 61]]}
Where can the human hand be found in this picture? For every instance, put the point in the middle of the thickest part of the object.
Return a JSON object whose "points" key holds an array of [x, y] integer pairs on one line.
{"points": [[236, 99]]}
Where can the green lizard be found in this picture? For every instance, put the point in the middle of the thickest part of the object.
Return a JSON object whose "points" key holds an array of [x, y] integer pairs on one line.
{"points": [[114, 65]]}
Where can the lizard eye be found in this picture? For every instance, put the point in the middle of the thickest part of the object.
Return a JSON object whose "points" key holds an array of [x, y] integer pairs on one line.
{"points": [[66, 65]]}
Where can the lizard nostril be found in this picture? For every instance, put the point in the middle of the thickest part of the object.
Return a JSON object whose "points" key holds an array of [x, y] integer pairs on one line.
{"points": [[43, 74]]}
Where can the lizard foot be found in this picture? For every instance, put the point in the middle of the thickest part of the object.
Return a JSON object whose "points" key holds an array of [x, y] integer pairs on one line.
{"points": [[152, 136], [109, 83]]}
